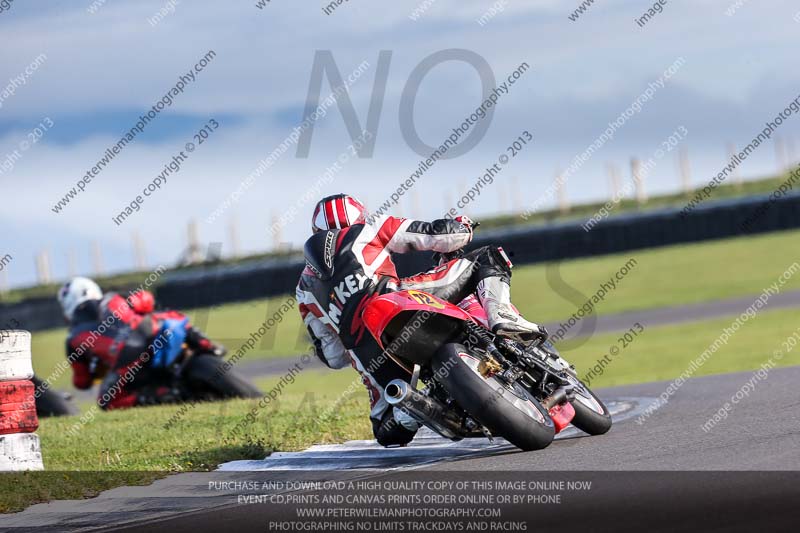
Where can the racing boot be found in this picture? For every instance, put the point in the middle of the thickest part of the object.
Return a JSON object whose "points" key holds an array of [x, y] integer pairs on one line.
{"points": [[495, 296], [396, 428]]}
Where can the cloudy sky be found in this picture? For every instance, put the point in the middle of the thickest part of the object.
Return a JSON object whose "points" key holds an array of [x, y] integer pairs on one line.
{"points": [[106, 64]]}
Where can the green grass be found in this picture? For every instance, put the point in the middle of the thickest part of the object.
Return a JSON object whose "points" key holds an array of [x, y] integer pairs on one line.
{"points": [[667, 276], [663, 353], [132, 447], [202, 437]]}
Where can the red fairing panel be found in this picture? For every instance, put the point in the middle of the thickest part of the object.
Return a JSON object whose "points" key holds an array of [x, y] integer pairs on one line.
{"points": [[471, 305], [562, 415], [382, 309]]}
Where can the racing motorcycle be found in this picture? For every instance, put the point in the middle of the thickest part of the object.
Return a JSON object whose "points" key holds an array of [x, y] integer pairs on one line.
{"points": [[467, 382], [174, 372], [190, 374]]}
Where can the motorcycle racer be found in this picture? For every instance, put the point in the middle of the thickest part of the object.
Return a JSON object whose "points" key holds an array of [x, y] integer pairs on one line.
{"points": [[108, 337], [348, 260]]}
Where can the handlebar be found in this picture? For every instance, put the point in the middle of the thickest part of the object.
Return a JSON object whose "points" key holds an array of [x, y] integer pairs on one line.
{"points": [[440, 258]]}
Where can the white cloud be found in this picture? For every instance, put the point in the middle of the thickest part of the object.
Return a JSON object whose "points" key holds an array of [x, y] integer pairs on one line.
{"points": [[584, 74]]}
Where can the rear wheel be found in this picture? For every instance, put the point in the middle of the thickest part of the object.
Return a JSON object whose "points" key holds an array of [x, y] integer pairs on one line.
{"points": [[507, 410], [207, 373]]}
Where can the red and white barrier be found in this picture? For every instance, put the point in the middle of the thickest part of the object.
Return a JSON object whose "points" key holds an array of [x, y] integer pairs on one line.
{"points": [[19, 445]]}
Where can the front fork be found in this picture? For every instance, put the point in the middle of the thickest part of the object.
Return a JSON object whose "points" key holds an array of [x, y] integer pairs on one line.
{"points": [[552, 390], [492, 359]]}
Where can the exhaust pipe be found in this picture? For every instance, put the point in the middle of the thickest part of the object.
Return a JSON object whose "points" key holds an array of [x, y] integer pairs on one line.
{"points": [[562, 395], [426, 410], [396, 391]]}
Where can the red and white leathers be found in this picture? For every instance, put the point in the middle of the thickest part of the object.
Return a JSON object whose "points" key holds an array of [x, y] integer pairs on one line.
{"points": [[363, 267], [107, 339], [347, 267]]}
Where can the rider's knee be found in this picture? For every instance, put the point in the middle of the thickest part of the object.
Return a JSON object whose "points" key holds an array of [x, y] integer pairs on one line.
{"points": [[492, 261], [501, 258]]}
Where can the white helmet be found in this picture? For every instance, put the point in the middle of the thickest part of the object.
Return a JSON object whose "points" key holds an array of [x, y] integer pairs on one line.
{"points": [[75, 292]]}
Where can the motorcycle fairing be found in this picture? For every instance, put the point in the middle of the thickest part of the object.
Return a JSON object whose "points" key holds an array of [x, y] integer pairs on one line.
{"points": [[384, 310], [169, 343], [473, 307], [562, 415]]}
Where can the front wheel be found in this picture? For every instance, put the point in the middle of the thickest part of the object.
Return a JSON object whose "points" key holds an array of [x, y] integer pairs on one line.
{"points": [[52, 403], [591, 414], [208, 374], [506, 410]]}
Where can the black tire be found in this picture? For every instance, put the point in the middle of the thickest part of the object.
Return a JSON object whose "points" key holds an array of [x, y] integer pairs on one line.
{"points": [[489, 401], [587, 419], [208, 372], [594, 420], [52, 403]]}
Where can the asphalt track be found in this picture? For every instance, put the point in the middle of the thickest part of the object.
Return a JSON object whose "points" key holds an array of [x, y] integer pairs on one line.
{"points": [[642, 470]]}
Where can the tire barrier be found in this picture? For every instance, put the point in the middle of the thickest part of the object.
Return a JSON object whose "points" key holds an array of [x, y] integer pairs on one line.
{"points": [[15, 355], [18, 408], [20, 452], [19, 444], [218, 284]]}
